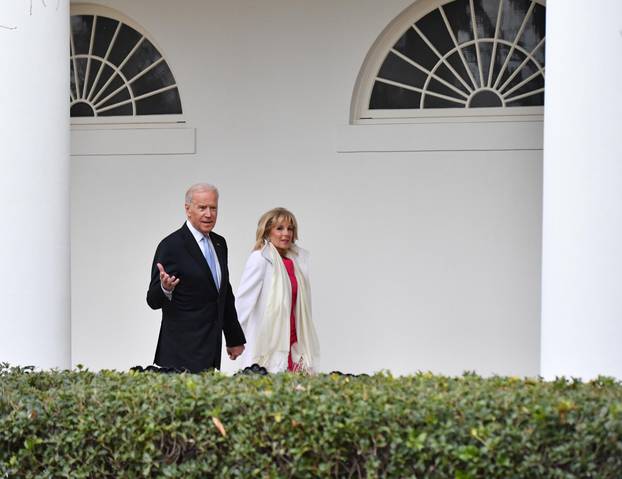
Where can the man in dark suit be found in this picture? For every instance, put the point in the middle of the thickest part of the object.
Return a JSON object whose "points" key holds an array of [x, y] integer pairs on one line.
{"points": [[190, 283]]}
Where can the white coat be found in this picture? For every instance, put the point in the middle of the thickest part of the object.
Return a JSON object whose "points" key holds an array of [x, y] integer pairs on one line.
{"points": [[254, 290]]}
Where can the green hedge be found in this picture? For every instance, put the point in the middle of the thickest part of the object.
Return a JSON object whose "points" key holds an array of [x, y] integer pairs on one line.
{"points": [[132, 425]]}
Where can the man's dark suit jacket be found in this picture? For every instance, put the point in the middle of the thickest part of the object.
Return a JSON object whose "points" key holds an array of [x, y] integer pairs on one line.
{"points": [[194, 320]]}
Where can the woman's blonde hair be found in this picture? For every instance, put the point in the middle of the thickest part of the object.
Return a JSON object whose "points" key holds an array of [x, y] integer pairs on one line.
{"points": [[270, 219]]}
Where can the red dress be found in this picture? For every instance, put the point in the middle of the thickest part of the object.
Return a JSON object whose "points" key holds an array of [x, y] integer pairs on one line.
{"points": [[289, 266]]}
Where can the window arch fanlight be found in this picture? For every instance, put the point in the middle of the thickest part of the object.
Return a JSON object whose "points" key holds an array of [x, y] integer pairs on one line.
{"points": [[115, 69], [456, 58]]}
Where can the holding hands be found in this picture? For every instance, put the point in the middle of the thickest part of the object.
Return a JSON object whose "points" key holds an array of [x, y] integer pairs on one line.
{"points": [[235, 351], [168, 282]]}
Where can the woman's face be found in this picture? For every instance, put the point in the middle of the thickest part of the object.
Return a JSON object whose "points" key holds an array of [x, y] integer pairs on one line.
{"points": [[282, 235]]}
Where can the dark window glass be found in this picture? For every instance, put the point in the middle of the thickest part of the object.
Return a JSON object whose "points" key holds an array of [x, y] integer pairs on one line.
{"points": [[534, 84], [437, 87], [81, 68], [156, 78], [516, 60], [126, 40], [104, 76], [72, 80], [104, 32], [123, 110], [396, 69], [539, 54], [115, 83], [435, 102], [96, 84], [501, 53], [485, 55], [459, 15], [486, 12], [533, 100], [81, 27], [514, 12], [484, 66], [144, 56], [458, 65], [485, 99], [153, 105], [92, 73], [413, 46], [122, 96], [391, 97], [433, 27], [470, 55], [534, 29], [82, 109]]}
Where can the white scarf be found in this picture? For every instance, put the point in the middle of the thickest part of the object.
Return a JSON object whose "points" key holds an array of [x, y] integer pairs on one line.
{"points": [[272, 348]]}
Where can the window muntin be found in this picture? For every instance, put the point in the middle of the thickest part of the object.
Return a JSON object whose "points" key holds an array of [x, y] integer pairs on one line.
{"points": [[456, 56], [117, 71]]}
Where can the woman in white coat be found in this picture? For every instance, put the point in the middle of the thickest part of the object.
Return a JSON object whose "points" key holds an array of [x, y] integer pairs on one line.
{"points": [[273, 300]]}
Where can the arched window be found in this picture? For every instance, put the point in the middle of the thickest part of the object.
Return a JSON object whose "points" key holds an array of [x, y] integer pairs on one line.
{"points": [[115, 69], [456, 57]]}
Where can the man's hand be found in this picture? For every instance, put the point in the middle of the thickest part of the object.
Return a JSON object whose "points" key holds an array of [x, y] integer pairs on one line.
{"points": [[235, 351], [168, 282]]}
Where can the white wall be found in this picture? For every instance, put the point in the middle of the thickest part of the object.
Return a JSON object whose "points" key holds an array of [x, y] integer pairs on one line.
{"points": [[421, 260]]}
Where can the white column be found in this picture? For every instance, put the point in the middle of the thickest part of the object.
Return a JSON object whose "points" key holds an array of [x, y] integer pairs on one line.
{"points": [[582, 218], [34, 183]]}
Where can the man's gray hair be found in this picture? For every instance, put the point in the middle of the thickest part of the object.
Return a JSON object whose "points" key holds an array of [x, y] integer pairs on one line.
{"points": [[199, 187]]}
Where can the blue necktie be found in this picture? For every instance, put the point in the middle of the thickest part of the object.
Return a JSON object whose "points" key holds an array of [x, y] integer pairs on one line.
{"points": [[209, 257]]}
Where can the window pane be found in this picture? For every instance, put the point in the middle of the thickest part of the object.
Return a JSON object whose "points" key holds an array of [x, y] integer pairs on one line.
{"points": [[391, 97], [514, 12], [124, 110], [516, 61], [413, 46], [459, 15], [437, 87], [103, 35], [96, 83], [81, 27], [396, 69], [81, 67], [486, 12], [478, 67], [501, 54], [166, 102], [485, 99], [533, 100], [458, 66], [115, 83], [126, 40], [82, 109], [485, 55], [470, 55], [145, 55], [122, 96], [433, 27], [534, 29], [534, 84], [154, 79], [435, 102]]}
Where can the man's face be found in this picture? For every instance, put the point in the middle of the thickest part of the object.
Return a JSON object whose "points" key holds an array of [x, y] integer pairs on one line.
{"points": [[203, 210]]}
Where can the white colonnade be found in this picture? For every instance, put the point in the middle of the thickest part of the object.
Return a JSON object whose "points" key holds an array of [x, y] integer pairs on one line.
{"points": [[34, 184], [582, 218]]}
